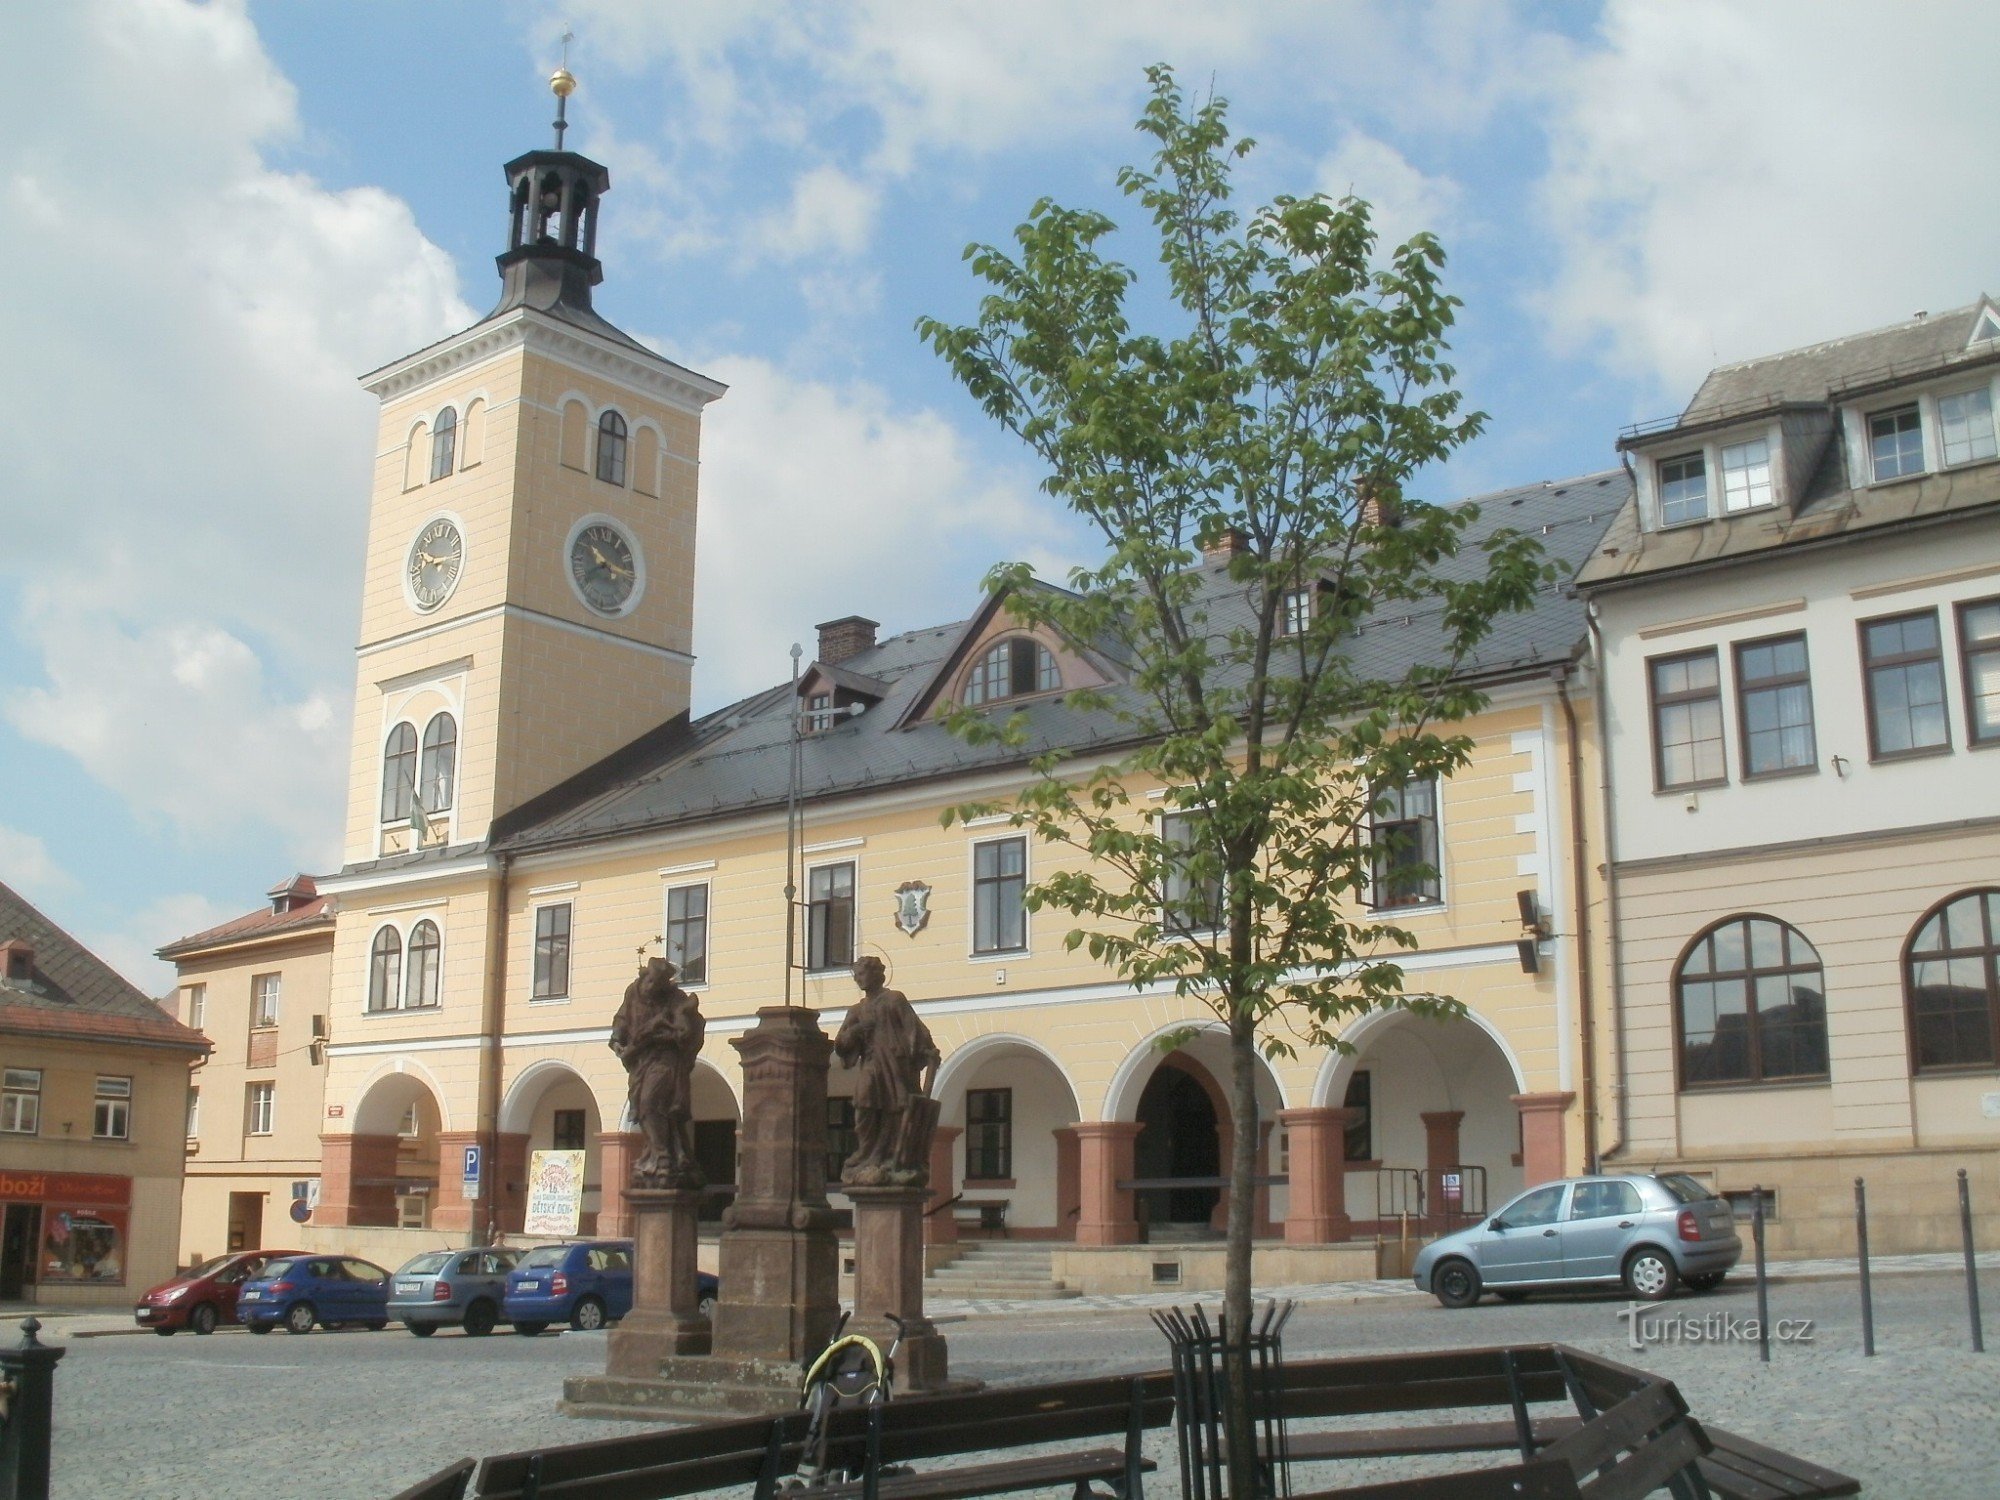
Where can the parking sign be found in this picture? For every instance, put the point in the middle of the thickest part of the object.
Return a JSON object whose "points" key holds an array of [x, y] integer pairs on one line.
{"points": [[472, 1171]]}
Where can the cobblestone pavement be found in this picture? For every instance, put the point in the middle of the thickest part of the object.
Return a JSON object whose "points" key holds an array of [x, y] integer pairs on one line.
{"points": [[363, 1414]]}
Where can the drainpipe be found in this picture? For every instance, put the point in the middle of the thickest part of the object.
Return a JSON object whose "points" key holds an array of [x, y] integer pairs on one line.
{"points": [[1586, 999], [1614, 930], [491, 1058]]}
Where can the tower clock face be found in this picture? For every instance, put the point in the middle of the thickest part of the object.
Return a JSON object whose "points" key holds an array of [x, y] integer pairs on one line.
{"points": [[436, 558], [603, 567]]}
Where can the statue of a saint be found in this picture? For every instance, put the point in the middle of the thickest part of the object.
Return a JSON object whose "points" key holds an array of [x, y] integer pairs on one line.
{"points": [[894, 1116], [657, 1034]]}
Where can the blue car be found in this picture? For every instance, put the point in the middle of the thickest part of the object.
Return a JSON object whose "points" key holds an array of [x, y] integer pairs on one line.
{"points": [[331, 1290], [586, 1284]]}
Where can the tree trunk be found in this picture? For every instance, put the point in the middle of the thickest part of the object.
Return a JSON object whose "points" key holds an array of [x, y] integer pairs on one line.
{"points": [[1237, 1417]]}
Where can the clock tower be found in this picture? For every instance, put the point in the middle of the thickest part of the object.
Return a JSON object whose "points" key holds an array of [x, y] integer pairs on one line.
{"points": [[529, 596]]}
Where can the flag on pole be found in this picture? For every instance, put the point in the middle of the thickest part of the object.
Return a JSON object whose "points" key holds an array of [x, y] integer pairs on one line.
{"points": [[420, 823]]}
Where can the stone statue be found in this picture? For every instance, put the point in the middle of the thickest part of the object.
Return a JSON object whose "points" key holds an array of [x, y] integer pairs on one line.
{"points": [[657, 1035], [894, 1116]]}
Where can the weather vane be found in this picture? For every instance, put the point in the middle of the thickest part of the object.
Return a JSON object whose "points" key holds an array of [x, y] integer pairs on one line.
{"points": [[562, 83]]}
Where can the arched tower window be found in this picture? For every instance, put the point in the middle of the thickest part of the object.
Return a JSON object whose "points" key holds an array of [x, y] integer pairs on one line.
{"points": [[611, 448], [1752, 1004], [1011, 669], [399, 773], [423, 985], [440, 763], [385, 970], [1951, 983], [444, 443]]}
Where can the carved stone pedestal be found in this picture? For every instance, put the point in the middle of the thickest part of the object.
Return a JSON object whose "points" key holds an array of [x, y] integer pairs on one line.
{"points": [[666, 1316], [889, 1278]]}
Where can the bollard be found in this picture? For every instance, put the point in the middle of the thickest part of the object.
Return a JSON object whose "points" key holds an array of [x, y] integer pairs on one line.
{"points": [[29, 1373], [1971, 1269], [1861, 1243], [1763, 1289]]}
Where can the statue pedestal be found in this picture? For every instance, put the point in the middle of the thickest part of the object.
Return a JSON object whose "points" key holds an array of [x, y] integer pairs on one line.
{"points": [[889, 1278], [666, 1316], [780, 1268]]}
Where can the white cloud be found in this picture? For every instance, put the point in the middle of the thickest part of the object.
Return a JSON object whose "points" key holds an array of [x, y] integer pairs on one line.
{"points": [[129, 947], [1730, 180], [1404, 199], [820, 501], [187, 447], [27, 866], [831, 212]]}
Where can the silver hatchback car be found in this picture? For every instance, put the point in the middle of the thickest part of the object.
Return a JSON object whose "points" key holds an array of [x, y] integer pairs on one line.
{"points": [[452, 1288], [1648, 1234]]}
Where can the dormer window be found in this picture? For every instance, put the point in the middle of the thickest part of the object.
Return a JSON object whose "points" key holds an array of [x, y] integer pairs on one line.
{"points": [[819, 713], [1987, 329], [1896, 442], [1295, 612], [1965, 420], [1011, 669], [1683, 489], [1746, 475]]}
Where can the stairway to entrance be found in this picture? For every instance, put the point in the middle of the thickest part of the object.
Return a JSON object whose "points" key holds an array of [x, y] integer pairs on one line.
{"points": [[1000, 1270]]}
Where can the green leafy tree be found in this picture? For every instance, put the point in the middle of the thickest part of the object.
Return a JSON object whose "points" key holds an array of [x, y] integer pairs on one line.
{"points": [[1299, 384]]}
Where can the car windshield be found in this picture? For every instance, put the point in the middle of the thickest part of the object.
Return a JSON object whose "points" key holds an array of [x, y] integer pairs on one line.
{"points": [[270, 1269], [544, 1255], [429, 1264], [1684, 1188], [208, 1267]]}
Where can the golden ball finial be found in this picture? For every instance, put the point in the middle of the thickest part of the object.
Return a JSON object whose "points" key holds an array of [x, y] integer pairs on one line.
{"points": [[562, 83]]}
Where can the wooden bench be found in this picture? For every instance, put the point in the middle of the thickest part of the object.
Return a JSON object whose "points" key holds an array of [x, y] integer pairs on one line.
{"points": [[756, 1452]]}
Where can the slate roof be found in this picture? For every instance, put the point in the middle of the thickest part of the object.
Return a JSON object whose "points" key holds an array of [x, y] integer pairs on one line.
{"points": [[74, 993], [737, 759], [1813, 382], [309, 912]]}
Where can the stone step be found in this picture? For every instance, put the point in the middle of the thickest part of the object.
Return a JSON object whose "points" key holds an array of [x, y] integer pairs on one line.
{"points": [[973, 1291]]}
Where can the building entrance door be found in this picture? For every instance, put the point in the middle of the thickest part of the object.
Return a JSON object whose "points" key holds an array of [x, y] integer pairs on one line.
{"points": [[246, 1221], [1179, 1139], [17, 1250]]}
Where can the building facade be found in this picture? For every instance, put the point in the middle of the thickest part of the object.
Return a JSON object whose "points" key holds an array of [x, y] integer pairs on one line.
{"points": [[1799, 612], [93, 1102]]}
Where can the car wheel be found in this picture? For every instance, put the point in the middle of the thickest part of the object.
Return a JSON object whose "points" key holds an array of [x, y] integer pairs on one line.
{"points": [[300, 1317], [480, 1318], [165, 1333], [1708, 1281], [376, 1325], [1455, 1283], [203, 1318], [1512, 1296], [529, 1330], [258, 1327], [333, 1326], [588, 1315], [423, 1330], [1650, 1275]]}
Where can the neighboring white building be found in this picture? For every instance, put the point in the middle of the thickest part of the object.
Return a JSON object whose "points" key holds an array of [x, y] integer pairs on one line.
{"points": [[1798, 616]]}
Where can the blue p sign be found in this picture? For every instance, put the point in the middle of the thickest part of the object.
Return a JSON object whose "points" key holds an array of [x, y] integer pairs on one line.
{"points": [[471, 1163]]}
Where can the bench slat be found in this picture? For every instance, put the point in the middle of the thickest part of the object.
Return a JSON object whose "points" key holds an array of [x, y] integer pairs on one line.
{"points": [[1632, 1423], [1743, 1469], [1419, 1395], [1396, 1442], [999, 1478], [446, 1484], [904, 1441], [1536, 1480]]}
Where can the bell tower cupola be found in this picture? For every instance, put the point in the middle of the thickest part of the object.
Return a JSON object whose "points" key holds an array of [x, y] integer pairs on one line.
{"points": [[553, 198]]}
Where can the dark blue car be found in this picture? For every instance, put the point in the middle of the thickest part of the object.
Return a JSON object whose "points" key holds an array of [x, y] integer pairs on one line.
{"points": [[586, 1284], [331, 1290]]}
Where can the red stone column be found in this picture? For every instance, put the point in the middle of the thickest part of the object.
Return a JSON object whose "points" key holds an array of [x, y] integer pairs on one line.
{"points": [[357, 1179], [1316, 1143], [941, 1226], [1543, 1156], [1440, 1154], [1069, 1188], [616, 1151], [451, 1211], [1104, 1159]]}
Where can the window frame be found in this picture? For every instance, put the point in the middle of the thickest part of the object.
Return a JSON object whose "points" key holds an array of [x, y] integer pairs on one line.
{"points": [[1987, 896], [1169, 899], [1869, 667], [1749, 974], [433, 972], [444, 444], [264, 1017], [1043, 668], [111, 1109], [12, 1095], [1431, 896], [1912, 409], [385, 989], [1744, 688], [1001, 1155], [1655, 702], [979, 884], [558, 1118], [434, 748], [197, 1006], [260, 1100], [399, 773], [1296, 611], [1967, 651], [692, 981], [1660, 466], [1359, 1135], [1723, 470], [816, 956], [1945, 460], [611, 424], [542, 987], [194, 1112]]}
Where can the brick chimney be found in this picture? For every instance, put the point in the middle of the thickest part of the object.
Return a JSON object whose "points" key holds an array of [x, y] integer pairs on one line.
{"points": [[1224, 545], [848, 636], [1378, 506]]}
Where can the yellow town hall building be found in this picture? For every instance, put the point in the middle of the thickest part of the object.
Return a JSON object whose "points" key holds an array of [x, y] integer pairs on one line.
{"points": [[532, 806]]}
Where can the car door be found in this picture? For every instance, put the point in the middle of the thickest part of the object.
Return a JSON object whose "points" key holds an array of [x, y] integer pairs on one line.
{"points": [[367, 1289], [1523, 1241], [1602, 1218], [617, 1280]]}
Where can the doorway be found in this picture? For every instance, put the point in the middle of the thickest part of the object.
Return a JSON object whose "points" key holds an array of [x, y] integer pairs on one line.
{"points": [[1178, 1138], [17, 1250], [246, 1221]]}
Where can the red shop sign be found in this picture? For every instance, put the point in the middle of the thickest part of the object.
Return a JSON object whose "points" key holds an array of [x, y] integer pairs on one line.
{"points": [[82, 1189]]}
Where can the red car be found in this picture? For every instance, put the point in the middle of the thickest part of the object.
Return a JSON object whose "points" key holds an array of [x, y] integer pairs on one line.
{"points": [[201, 1298]]}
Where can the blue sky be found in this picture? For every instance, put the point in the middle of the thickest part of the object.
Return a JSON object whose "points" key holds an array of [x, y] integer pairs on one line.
{"points": [[218, 215]]}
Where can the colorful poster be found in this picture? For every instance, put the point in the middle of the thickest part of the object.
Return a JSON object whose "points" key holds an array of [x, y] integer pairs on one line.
{"points": [[555, 1193], [83, 1244]]}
